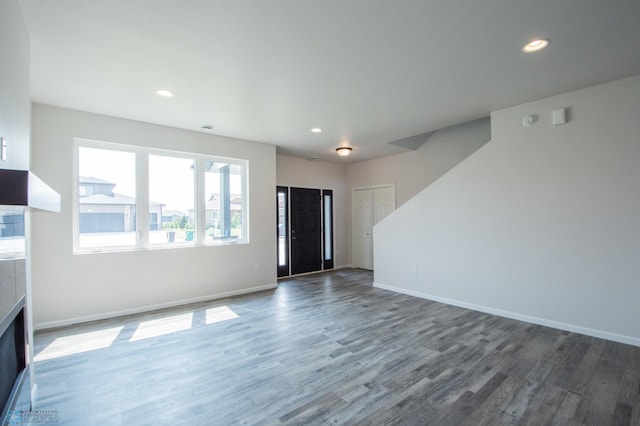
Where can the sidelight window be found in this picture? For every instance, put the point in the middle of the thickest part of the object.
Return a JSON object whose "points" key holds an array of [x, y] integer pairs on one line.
{"points": [[327, 226], [283, 230]]}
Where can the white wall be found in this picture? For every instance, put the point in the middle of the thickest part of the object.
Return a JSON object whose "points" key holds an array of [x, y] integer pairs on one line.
{"points": [[302, 173], [539, 224], [412, 171], [15, 126], [15, 119], [70, 287], [15, 100]]}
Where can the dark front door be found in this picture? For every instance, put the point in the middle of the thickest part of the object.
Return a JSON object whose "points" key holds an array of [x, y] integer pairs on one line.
{"points": [[306, 230]]}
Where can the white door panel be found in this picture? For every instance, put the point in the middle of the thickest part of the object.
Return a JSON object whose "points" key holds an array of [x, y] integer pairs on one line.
{"points": [[369, 206]]}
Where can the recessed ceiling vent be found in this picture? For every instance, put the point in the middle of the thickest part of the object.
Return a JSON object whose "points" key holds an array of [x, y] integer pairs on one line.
{"points": [[413, 142]]}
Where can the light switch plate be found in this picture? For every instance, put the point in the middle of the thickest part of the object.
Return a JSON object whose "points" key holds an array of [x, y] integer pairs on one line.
{"points": [[3, 150]]}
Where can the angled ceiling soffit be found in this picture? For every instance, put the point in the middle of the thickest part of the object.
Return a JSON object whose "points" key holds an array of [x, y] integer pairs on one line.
{"points": [[413, 142]]}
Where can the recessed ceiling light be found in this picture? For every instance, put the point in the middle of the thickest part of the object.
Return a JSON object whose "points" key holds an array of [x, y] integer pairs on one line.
{"points": [[316, 130], [535, 45], [164, 93]]}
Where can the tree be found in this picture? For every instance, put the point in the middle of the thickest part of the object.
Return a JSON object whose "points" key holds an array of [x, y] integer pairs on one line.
{"points": [[235, 220]]}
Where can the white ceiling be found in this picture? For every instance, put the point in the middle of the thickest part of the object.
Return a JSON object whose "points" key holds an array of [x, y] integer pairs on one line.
{"points": [[367, 72]]}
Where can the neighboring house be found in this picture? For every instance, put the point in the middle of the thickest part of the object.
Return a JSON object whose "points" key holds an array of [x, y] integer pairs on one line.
{"points": [[11, 224], [213, 212], [102, 210]]}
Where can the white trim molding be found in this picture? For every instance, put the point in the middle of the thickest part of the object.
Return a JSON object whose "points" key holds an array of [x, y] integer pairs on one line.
{"points": [[137, 310], [516, 316]]}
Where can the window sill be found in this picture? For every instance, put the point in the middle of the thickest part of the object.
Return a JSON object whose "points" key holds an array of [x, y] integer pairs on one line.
{"points": [[84, 251]]}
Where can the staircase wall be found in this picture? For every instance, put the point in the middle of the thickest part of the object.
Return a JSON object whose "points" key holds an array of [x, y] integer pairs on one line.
{"points": [[540, 224]]}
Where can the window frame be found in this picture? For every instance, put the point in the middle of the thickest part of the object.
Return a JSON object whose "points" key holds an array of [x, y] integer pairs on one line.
{"points": [[142, 197], [327, 229], [283, 257]]}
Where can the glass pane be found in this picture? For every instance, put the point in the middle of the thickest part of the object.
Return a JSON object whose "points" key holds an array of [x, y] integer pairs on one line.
{"points": [[171, 200], [282, 229], [328, 244], [12, 243], [107, 198], [224, 201]]}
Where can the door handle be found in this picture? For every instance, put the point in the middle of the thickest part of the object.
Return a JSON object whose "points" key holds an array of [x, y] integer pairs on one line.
{"points": [[293, 237]]}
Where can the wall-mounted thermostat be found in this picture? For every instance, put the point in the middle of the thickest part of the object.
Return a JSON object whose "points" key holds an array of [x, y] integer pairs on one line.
{"points": [[559, 116]]}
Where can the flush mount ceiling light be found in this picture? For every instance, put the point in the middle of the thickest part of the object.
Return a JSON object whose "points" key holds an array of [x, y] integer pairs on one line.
{"points": [[164, 93], [316, 130], [535, 45], [343, 151]]}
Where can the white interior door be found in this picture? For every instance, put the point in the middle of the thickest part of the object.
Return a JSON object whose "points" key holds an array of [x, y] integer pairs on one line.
{"points": [[363, 228], [384, 202], [369, 206]]}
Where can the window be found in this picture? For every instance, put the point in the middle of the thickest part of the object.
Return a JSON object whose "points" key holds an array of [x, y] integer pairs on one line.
{"points": [[282, 202], [12, 243], [134, 198], [223, 196], [327, 226], [85, 190], [171, 200], [106, 198]]}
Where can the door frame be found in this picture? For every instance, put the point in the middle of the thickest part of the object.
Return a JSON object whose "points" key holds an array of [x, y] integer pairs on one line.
{"points": [[354, 228], [326, 264], [284, 269]]}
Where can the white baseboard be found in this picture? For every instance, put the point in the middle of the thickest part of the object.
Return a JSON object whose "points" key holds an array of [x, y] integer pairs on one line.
{"points": [[137, 310], [629, 340], [348, 265]]}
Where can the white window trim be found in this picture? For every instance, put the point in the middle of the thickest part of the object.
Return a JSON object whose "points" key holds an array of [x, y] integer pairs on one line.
{"points": [[142, 197]]}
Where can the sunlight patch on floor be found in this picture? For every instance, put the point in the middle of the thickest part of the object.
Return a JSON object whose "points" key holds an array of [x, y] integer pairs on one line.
{"points": [[219, 314], [162, 326], [78, 343]]}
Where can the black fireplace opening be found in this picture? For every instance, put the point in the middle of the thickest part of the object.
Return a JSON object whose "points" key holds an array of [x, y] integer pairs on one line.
{"points": [[13, 352]]}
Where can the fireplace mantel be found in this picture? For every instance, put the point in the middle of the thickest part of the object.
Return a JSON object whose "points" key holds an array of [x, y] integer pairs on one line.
{"points": [[24, 188]]}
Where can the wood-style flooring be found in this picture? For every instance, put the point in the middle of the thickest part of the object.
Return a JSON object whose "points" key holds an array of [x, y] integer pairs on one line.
{"points": [[331, 349]]}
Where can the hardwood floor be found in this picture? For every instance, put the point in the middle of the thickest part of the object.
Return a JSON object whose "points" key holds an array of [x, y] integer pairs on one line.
{"points": [[330, 349]]}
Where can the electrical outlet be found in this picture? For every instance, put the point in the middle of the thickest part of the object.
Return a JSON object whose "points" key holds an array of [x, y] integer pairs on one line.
{"points": [[414, 270], [256, 266]]}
